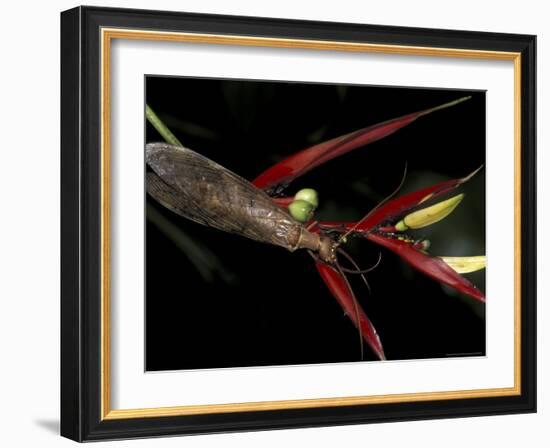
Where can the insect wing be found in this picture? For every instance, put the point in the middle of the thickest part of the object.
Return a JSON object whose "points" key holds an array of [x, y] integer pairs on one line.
{"points": [[205, 192]]}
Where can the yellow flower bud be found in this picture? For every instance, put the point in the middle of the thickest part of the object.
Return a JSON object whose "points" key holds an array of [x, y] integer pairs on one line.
{"points": [[465, 265], [430, 215]]}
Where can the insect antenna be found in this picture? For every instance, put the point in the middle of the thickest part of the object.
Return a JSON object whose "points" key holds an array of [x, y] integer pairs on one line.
{"points": [[358, 270], [311, 225], [342, 238]]}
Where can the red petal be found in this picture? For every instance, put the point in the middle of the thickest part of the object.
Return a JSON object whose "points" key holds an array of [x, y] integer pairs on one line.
{"points": [[433, 267], [307, 159], [340, 290]]}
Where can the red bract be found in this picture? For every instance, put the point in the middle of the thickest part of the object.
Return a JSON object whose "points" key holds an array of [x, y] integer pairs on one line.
{"points": [[340, 289], [303, 161], [433, 267]]}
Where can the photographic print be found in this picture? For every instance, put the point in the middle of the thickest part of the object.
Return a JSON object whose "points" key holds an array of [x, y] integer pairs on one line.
{"points": [[294, 223]]}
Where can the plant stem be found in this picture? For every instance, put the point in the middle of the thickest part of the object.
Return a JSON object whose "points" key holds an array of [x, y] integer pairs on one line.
{"points": [[157, 123]]}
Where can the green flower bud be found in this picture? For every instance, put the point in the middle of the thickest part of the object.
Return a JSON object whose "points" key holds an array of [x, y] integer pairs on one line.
{"points": [[308, 195], [401, 226], [301, 210]]}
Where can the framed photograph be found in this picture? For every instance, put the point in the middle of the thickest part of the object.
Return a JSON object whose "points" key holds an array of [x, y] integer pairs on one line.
{"points": [[273, 224]]}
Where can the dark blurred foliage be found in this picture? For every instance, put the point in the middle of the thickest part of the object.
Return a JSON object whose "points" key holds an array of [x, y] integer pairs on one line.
{"points": [[261, 305]]}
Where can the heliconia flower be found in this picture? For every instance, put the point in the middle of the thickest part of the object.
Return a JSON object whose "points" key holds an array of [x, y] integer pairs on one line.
{"points": [[385, 226]]}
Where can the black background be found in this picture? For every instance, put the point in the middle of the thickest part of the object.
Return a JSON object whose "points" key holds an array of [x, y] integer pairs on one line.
{"points": [[260, 305]]}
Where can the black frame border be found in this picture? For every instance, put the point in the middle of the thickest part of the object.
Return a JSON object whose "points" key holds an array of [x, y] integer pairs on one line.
{"points": [[81, 223]]}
